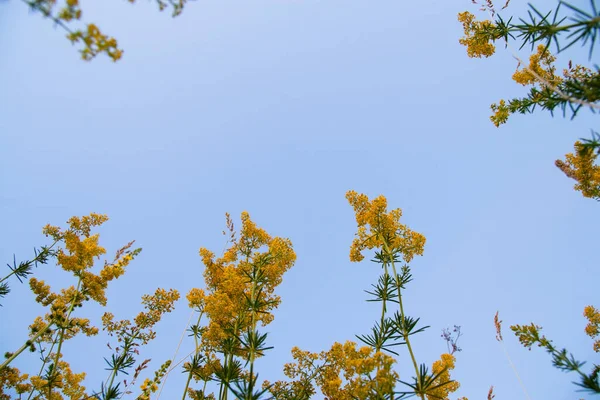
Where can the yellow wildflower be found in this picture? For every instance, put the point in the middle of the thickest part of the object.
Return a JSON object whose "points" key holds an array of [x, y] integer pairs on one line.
{"points": [[442, 385], [345, 372], [592, 329], [253, 264], [541, 63], [12, 378], [501, 113], [195, 298], [477, 36], [580, 166], [378, 228]]}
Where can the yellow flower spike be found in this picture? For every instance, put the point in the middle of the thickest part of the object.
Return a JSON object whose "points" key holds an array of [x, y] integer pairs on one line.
{"points": [[378, 228], [476, 39], [542, 64], [443, 367], [254, 263], [347, 372], [580, 166], [12, 378], [592, 329], [196, 298]]}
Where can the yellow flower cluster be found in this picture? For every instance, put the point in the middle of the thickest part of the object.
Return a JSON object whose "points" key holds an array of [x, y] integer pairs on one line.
{"points": [[593, 327], [11, 378], [42, 291], [151, 386], [70, 11], [541, 63], [378, 228], [442, 386], [195, 299], [59, 314], [81, 248], [501, 112], [64, 380], [356, 367], [161, 302], [540, 73], [95, 42], [477, 36], [580, 166], [256, 259], [344, 372]]}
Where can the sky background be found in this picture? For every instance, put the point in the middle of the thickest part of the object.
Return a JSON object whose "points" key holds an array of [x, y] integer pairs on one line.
{"points": [[279, 107]]}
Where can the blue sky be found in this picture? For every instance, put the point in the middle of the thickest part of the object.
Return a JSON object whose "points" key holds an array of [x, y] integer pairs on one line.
{"points": [[279, 108]]}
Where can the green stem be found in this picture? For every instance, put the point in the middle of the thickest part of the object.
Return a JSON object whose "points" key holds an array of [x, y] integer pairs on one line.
{"points": [[383, 311], [126, 349], [35, 260], [25, 346], [221, 391], [63, 329], [48, 14], [404, 333], [187, 385], [229, 362], [383, 302], [45, 361], [189, 378]]}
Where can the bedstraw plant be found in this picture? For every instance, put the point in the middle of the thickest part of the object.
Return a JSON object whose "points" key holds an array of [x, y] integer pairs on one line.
{"points": [[229, 313]]}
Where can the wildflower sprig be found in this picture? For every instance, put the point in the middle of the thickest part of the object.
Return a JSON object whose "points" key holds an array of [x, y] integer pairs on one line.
{"points": [[239, 295], [348, 372], [576, 88], [24, 269], [132, 335], [76, 251], [581, 166], [529, 335], [394, 243], [539, 27], [451, 337], [93, 41]]}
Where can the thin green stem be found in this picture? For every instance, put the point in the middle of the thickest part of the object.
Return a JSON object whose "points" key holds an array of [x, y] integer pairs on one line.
{"points": [[383, 311], [48, 14], [405, 335], [35, 260], [383, 303], [61, 335], [45, 361], [25, 345], [251, 353], [187, 385], [189, 378]]}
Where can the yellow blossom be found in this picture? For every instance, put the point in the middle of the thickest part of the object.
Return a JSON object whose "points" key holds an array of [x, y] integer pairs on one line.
{"points": [[500, 114], [254, 263], [442, 385], [592, 329], [378, 228], [580, 166], [345, 372], [477, 37], [195, 298], [540, 64], [12, 378]]}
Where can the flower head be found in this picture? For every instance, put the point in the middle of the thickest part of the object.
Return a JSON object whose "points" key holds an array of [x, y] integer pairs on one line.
{"points": [[378, 228]]}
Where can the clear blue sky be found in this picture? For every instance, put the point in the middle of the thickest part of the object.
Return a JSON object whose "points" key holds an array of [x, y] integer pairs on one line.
{"points": [[278, 107]]}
